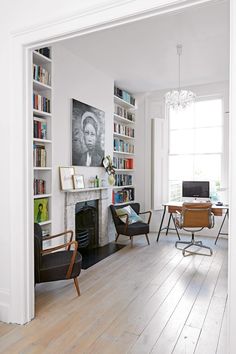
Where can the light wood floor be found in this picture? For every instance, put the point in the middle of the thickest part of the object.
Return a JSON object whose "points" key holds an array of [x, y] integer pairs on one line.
{"points": [[145, 299]]}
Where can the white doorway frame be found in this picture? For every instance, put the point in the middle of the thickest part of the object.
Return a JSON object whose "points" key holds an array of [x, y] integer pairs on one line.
{"points": [[107, 15]]}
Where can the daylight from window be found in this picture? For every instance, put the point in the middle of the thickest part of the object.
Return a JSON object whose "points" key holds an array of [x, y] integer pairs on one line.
{"points": [[195, 146]]}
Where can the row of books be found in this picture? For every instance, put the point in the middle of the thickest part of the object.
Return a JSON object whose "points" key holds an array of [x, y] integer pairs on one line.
{"points": [[45, 51], [121, 163], [39, 155], [123, 146], [123, 196], [41, 103], [39, 186], [124, 95], [40, 128], [122, 112], [41, 74], [123, 129], [123, 180]]}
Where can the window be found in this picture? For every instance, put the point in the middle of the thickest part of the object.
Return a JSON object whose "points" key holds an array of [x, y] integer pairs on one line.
{"points": [[196, 146]]}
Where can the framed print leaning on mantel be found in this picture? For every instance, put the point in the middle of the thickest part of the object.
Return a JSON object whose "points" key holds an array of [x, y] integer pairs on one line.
{"points": [[66, 178], [78, 181]]}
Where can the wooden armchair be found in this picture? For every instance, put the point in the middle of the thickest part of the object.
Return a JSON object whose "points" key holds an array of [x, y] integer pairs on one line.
{"points": [[127, 229], [51, 265]]}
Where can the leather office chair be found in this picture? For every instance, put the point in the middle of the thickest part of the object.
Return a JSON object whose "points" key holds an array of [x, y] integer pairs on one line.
{"points": [[50, 265], [193, 218], [130, 230]]}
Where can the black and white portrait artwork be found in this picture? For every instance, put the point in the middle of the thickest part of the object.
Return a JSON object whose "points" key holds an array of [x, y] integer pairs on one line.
{"points": [[88, 133]]}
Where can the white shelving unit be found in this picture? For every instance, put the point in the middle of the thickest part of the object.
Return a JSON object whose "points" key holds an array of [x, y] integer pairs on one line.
{"points": [[124, 147], [42, 139]]}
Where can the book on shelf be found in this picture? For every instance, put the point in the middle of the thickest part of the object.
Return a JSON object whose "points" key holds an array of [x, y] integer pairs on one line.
{"points": [[123, 180], [122, 163], [123, 146], [123, 196], [41, 210], [40, 128], [41, 103], [39, 155], [39, 186], [41, 75], [124, 130], [45, 51], [124, 95]]}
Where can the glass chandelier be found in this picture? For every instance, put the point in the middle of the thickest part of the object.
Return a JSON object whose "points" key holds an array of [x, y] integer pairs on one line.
{"points": [[179, 99]]}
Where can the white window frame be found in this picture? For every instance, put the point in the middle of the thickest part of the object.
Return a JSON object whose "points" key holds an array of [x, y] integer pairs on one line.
{"points": [[225, 137]]}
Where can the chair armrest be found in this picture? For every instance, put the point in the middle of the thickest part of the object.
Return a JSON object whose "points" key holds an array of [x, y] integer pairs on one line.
{"points": [[212, 216], [70, 232], [147, 212], [64, 245]]}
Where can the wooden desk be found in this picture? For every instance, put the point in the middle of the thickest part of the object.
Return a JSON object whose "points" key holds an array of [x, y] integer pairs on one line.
{"points": [[172, 207]]}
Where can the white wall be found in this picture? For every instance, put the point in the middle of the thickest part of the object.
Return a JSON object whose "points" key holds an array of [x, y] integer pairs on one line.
{"points": [[73, 78]]}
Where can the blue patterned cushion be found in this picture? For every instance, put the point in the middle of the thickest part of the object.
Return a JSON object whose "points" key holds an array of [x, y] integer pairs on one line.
{"points": [[133, 217]]}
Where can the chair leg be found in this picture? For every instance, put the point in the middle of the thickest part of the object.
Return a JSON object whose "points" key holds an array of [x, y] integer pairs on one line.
{"points": [[77, 285], [147, 239], [117, 237], [131, 238]]}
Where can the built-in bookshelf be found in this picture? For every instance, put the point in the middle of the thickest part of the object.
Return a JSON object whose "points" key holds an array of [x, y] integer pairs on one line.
{"points": [[42, 137], [123, 146]]}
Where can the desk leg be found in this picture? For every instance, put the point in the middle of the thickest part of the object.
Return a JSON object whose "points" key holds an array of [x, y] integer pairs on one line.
{"points": [[227, 212], [162, 219], [175, 226], [168, 225]]}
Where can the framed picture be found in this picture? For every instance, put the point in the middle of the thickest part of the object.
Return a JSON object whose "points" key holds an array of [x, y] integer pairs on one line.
{"points": [[78, 181], [40, 210], [66, 177], [88, 134]]}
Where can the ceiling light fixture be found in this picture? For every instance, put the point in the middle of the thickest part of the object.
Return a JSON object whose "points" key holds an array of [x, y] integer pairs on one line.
{"points": [[179, 99]]}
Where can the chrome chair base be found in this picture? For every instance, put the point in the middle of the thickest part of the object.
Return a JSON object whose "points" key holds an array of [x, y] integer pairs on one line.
{"points": [[190, 244]]}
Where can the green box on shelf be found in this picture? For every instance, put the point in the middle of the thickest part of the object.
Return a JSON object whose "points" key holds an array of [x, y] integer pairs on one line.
{"points": [[40, 210]]}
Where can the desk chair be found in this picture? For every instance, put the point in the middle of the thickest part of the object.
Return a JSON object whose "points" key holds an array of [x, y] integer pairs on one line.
{"points": [[194, 218]]}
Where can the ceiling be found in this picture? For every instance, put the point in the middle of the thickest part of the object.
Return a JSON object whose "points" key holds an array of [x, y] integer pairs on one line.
{"points": [[141, 56]]}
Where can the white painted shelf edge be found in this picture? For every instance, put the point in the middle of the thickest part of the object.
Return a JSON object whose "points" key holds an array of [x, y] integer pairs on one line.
{"points": [[119, 187], [42, 168], [41, 113], [123, 153], [45, 222], [84, 189], [41, 85], [123, 103], [123, 119], [46, 141], [124, 170], [38, 196], [123, 136], [42, 57]]}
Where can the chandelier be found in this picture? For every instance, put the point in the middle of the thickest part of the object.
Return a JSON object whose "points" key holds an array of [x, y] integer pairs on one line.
{"points": [[179, 99]]}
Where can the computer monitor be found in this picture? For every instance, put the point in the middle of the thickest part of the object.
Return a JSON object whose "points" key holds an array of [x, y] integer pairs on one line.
{"points": [[195, 189]]}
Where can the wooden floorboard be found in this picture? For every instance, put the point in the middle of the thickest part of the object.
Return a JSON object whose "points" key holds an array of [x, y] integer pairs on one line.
{"points": [[145, 299]]}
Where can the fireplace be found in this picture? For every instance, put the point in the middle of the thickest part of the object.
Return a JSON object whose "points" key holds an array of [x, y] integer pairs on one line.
{"points": [[86, 224], [105, 225]]}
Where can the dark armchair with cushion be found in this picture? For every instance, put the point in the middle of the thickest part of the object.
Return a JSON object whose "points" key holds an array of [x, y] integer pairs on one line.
{"points": [[51, 265], [128, 221]]}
